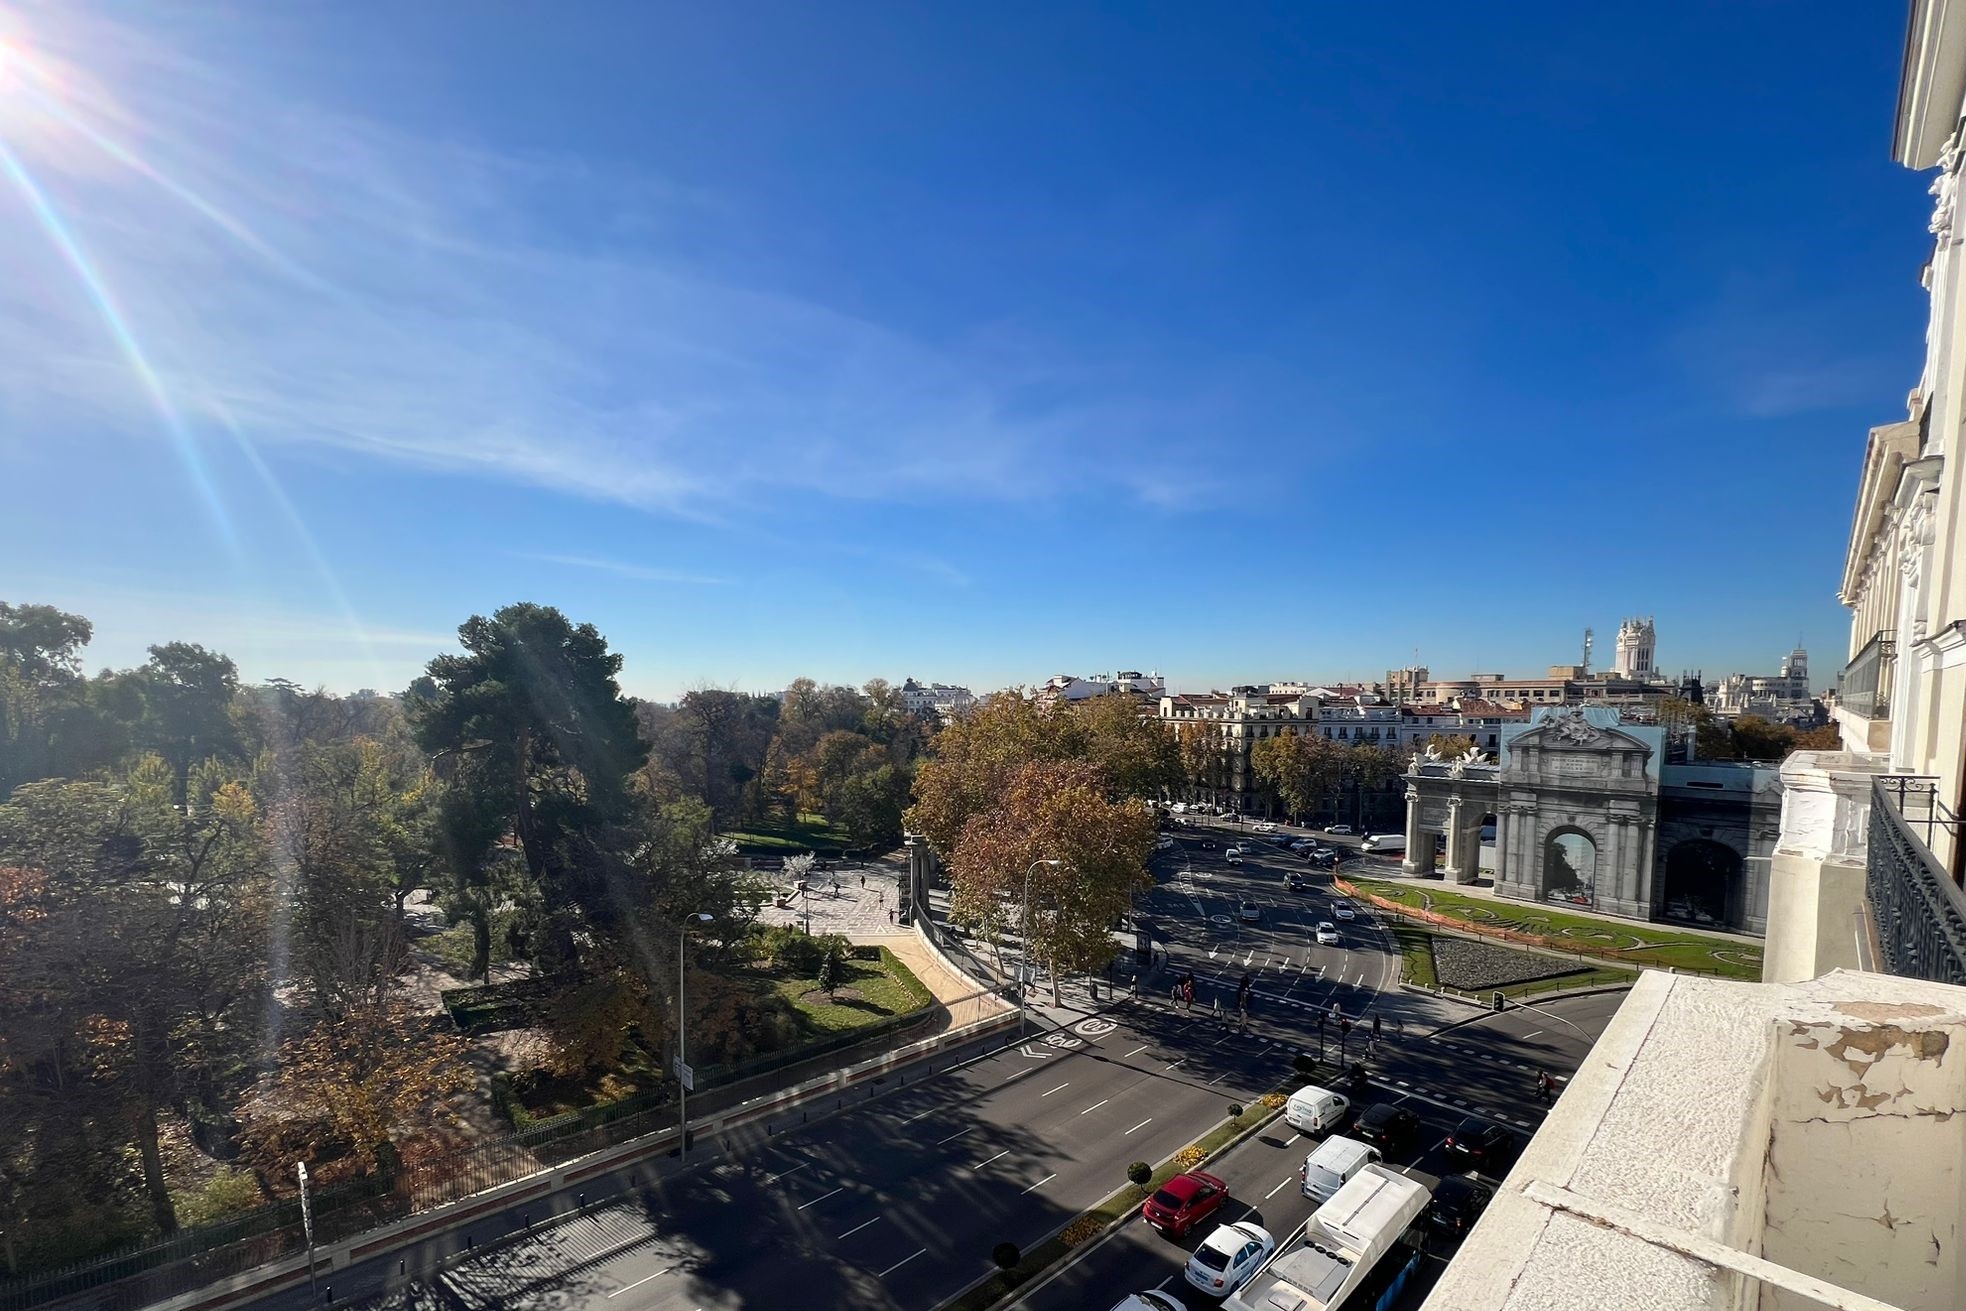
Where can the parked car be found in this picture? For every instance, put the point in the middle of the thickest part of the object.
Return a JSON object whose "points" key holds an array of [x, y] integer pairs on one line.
{"points": [[1340, 830], [1387, 1126], [1458, 1201], [1229, 1256], [1480, 1143], [1250, 912], [1184, 1202], [1327, 934], [1344, 912]]}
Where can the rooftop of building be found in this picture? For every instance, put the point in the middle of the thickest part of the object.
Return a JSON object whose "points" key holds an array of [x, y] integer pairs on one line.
{"points": [[1738, 1144]]}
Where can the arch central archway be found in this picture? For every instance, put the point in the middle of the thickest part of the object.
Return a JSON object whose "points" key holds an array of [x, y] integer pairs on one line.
{"points": [[1570, 868], [1703, 883]]}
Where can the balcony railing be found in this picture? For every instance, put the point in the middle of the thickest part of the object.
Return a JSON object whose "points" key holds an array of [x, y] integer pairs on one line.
{"points": [[1864, 686], [1920, 912]]}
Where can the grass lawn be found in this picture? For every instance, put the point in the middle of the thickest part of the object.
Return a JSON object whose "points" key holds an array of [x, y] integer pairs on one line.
{"points": [[1640, 944], [887, 988], [1416, 951], [811, 832]]}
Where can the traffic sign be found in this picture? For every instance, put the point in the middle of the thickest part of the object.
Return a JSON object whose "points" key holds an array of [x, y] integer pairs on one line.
{"points": [[686, 1074]]}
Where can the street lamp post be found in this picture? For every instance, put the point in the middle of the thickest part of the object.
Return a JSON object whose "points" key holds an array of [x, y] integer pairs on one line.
{"points": [[1025, 970], [684, 1075]]}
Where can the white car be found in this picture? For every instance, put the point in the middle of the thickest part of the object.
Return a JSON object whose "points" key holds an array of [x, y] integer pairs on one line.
{"points": [[1229, 1256], [1233, 855], [1327, 934], [1264, 826], [1152, 1300], [1341, 830], [1164, 843], [1344, 912]]}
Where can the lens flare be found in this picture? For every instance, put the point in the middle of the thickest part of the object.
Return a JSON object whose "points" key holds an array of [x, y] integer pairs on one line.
{"points": [[113, 319]]}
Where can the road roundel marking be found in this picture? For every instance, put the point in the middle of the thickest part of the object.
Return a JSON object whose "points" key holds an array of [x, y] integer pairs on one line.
{"points": [[1064, 1040], [1223, 920], [1095, 1027]]}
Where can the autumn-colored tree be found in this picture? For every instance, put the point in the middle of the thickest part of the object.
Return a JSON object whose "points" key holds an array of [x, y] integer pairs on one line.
{"points": [[1824, 737], [1451, 746], [1756, 738], [365, 1080], [1054, 810]]}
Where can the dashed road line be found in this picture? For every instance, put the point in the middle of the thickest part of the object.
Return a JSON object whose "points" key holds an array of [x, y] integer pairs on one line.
{"points": [[980, 1164], [957, 1134], [1061, 1087], [857, 1228], [1143, 1124], [1095, 1106], [1041, 1183], [782, 1173], [1274, 1191], [898, 1264], [822, 1197]]}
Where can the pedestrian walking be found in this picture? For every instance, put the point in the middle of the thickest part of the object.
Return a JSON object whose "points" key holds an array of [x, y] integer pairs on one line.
{"points": [[1544, 1086], [1188, 994], [1375, 1028], [863, 881], [890, 914]]}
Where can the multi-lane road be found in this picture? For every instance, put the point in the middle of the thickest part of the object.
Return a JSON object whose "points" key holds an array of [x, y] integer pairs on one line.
{"points": [[898, 1203]]}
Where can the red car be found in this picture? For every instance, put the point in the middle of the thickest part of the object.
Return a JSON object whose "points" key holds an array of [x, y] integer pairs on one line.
{"points": [[1183, 1202]]}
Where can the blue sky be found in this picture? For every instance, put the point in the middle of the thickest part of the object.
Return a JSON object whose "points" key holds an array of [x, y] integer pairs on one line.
{"points": [[974, 343]]}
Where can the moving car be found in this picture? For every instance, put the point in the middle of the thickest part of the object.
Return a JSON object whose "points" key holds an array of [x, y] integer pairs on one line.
{"points": [[1229, 1256], [1322, 859], [1386, 1126], [1384, 842], [1316, 1110], [1301, 845], [1458, 1202], [1183, 1202], [1344, 912], [1334, 1162], [1250, 912], [1164, 843], [1295, 882], [1479, 1143], [1233, 855], [1340, 830], [1327, 934], [1264, 826], [1152, 1300]]}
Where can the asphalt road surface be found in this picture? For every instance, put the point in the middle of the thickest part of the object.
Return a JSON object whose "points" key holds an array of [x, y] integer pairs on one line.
{"points": [[898, 1203]]}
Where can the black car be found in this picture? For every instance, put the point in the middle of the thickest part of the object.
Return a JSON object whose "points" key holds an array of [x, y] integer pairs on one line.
{"points": [[1321, 859], [1295, 882], [1458, 1202], [1387, 1127], [1479, 1143], [1208, 844]]}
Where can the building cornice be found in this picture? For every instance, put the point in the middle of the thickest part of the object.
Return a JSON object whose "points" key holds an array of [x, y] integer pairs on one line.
{"points": [[1890, 447], [1931, 82]]}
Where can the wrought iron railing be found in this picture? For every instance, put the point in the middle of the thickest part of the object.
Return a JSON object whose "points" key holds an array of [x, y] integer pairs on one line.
{"points": [[1919, 910], [1864, 686]]}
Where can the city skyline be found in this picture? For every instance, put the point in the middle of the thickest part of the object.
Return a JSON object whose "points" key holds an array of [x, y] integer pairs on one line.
{"points": [[319, 334]]}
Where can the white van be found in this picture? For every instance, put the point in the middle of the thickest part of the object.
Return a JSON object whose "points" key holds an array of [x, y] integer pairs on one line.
{"points": [[1335, 1160], [1384, 842], [1316, 1110]]}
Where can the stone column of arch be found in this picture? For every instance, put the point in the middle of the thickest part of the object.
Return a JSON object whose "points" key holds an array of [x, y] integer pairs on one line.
{"points": [[1410, 863]]}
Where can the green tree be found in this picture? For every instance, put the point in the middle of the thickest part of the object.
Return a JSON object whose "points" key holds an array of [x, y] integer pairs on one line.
{"points": [[48, 725], [187, 694], [830, 967], [534, 707], [1756, 738], [1055, 810]]}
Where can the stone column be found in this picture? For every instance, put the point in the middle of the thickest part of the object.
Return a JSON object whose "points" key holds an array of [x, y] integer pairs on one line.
{"points": [[1409, 864]]}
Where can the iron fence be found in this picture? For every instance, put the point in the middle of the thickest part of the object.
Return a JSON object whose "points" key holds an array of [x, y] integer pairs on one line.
{"points": [[1918, 907]]}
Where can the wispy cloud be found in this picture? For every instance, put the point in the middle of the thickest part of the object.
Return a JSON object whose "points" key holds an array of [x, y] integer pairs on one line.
{"points": [[324, 279], [1770, 352], [621, 567]]}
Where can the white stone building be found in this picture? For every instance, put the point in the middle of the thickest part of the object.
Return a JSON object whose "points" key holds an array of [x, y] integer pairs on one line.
{"points": [[1637, 649], [1233, 722], [1783, 696], [944, 699], [1066, 688]]}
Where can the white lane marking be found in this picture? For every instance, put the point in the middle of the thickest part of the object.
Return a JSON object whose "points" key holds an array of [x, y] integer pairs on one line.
{"points": [[1137, 1050], [1095, 1106], [959, 1133], [1061, 1087], [1274, 1191], [639, 1282], [1182, 1061], [898, 1264], [930, 1111], [1536, 1034], [1041, 1183], [1143, 1124], [980, 1164], [782, 1173], [857, 1228], [822, 1197]]}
